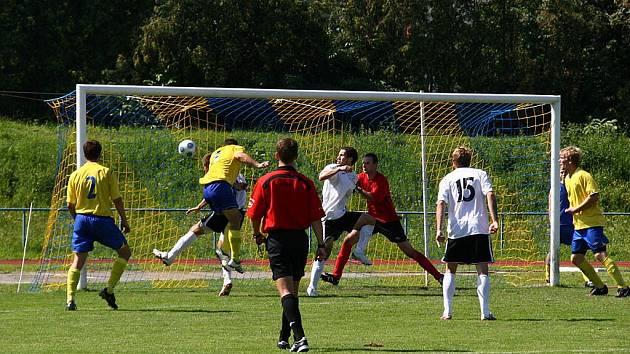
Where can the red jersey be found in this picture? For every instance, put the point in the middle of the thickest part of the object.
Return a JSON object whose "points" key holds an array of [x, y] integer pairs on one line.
{"points": [[381, 207], [286, 199]]}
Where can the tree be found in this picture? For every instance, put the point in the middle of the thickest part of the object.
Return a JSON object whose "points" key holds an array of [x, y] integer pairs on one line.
{"points": [[269, 43]]}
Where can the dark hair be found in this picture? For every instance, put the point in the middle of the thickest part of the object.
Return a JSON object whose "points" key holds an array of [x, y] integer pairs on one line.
{"points": [[372, 156], [230, 141], [92, 150], [287, 150], [351, 153], [462, 156]]}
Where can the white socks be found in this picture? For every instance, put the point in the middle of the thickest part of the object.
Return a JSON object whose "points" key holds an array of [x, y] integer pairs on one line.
{"points": [[448, 291], [483, 292], [365, 234], [181, 244], [227, 276], [316, 272]]}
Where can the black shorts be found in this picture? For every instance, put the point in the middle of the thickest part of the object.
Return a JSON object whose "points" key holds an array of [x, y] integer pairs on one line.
{"points": [[217, 222], [334, 228], [469, 250], [393, 230], [287, 250]]}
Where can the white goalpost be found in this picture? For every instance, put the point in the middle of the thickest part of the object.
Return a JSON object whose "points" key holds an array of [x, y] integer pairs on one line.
{"points": [[427, 125]]}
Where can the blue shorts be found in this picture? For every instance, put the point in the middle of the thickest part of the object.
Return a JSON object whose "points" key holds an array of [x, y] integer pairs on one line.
{"points": [[219, 196], [592, 238], [566, 234], [90, 228]]}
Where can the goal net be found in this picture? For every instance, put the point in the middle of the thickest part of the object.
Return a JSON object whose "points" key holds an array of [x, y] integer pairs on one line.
{"points": [[413, 135]]}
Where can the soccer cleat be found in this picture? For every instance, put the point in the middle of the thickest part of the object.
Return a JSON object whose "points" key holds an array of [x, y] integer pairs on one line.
{"points": [[329, 278], [359, 256], [110, 298], [446, 317], [623, 292], [312, 292], [490, 317], [71, 306], [589, 284], [225, 291], [599, 291], [163, 256], [300, 346], [283, 344], [224, 258], [234, 265]]}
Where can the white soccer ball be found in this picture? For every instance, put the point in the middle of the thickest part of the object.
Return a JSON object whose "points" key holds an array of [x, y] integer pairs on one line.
{"points": [[187, 147]]}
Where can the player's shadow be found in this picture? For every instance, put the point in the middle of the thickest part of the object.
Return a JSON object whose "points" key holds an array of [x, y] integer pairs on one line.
{"points": [[392, 350], [559, 319], [178, 310]]}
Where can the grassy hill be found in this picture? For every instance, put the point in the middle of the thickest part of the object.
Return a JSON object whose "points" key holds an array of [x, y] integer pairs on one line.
{"points": [[29, 155]]}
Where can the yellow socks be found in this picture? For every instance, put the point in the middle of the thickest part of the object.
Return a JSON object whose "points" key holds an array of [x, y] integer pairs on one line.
{"points": [[71, 285], [588, 270], [117, 270], [547, 271], [226, 246], [234, 237], [614, 272]]}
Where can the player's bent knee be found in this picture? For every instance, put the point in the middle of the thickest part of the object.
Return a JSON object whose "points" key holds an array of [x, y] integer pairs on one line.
{"points": [[124, 252]]}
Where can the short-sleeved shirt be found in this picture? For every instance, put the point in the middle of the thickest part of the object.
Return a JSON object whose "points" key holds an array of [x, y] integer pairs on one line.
{"points": [[286, 199], [464, 191], [580, 185], [224, 166], [565, 218], [92, 188], [381, 206], [336, 192]]}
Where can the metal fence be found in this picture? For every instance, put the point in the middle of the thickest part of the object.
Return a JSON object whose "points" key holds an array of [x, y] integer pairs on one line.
{"points": [[405, 215]]}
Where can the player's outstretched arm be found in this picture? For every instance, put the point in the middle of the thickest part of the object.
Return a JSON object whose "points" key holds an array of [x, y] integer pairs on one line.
{"points": [[198, 208], [246, 159]]}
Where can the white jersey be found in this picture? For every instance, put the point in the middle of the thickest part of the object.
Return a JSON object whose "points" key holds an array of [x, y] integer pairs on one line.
{"points": [[464, 191], [336, 192], [241, 194]]}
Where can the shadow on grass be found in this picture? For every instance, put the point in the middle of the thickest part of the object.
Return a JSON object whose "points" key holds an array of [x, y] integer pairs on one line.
{"points": [[176, 310], [392, 350], [559, 320]]}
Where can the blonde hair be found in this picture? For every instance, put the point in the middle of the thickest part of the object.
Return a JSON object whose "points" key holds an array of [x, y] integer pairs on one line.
{"points": [[461, 156], [573, 154]]}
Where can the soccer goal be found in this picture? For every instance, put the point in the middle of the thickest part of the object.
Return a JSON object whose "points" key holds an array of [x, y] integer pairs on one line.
{"points": [[515, 138]]}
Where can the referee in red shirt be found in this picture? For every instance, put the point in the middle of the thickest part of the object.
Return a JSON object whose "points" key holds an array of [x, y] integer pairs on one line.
{"points": [[288, 202]]}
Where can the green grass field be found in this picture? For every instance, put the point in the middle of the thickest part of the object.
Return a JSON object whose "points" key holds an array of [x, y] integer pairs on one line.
{"points": [[530, 320]]}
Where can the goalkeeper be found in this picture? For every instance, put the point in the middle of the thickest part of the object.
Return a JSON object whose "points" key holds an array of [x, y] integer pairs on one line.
{"points": [[221, 168], [288, 202]]}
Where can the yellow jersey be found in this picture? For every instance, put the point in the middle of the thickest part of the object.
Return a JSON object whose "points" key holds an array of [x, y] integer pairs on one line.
{"points": [[579, 186], [92, 188], [223, 165]]}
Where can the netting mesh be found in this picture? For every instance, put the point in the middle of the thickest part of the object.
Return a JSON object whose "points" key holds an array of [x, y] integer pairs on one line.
{"points": [[140, 135]]}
